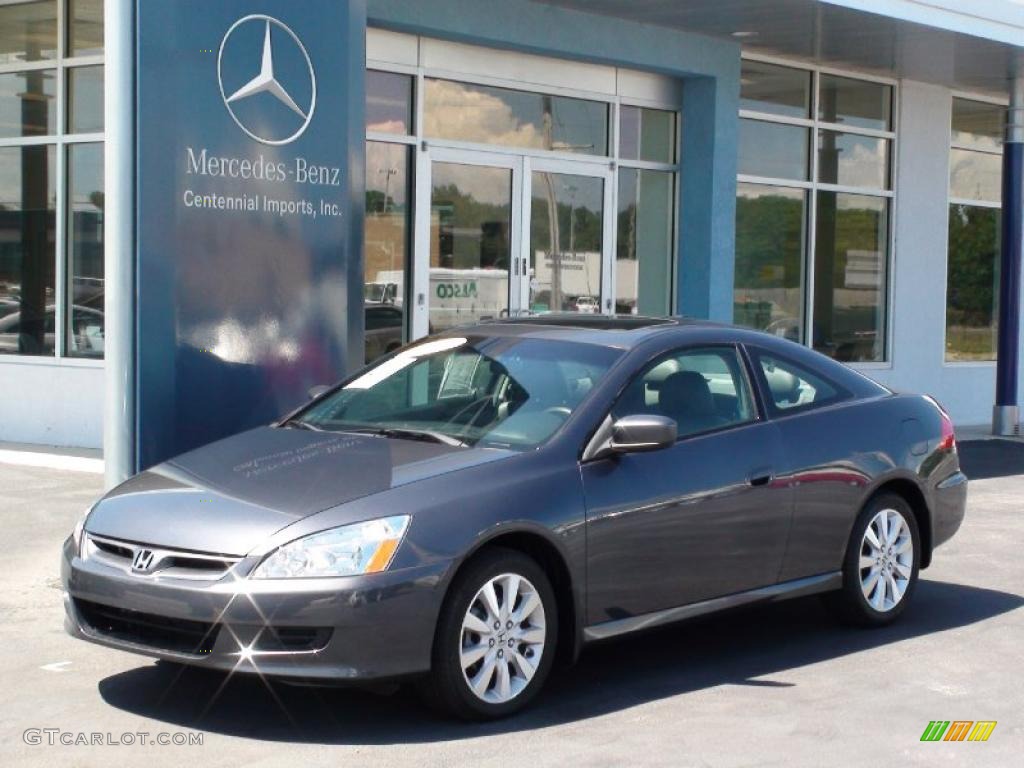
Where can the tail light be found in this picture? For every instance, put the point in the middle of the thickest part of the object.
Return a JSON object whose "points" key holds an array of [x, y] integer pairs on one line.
{"points": [[947, 434]]}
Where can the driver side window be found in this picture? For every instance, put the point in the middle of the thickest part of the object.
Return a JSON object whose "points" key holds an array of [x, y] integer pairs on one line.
{"points": [[701, 389]]}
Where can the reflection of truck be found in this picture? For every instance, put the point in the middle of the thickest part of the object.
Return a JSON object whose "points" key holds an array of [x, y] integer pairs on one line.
{"points": [[457, 296]]}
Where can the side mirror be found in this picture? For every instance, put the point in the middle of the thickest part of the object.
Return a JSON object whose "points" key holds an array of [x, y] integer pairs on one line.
{"points": [[316, 390], [634, 434]]}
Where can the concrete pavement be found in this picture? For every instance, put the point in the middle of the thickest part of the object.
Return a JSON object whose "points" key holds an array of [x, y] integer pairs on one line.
{"points": [[774, 685]]}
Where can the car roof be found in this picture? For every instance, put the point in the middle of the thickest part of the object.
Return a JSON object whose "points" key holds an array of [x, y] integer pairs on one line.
{"points": [[618, 331]]}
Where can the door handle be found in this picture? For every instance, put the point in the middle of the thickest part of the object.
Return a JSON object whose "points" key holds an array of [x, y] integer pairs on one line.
{"points": [[761, 476]]}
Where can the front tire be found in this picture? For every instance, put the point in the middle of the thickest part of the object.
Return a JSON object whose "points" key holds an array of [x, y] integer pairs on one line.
{"points": [[496, 638], [881, 565]]}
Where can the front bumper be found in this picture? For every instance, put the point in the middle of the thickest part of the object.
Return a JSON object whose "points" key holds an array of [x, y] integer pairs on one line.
{"points": [[380, 626]]}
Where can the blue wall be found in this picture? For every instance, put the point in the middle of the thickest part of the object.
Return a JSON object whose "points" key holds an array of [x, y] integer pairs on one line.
{"points": [[708, 68]]}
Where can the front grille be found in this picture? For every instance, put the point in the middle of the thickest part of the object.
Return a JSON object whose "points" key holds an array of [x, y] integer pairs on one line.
{"points": [[148, 629], [292, 639], [175, 563]]}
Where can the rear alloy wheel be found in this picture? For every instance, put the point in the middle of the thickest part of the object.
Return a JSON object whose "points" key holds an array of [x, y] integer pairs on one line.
{"points": [[881, 565], [496, 638]]}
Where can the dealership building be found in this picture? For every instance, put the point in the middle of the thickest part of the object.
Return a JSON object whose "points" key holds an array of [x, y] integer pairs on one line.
{"points": [[179, 261]]}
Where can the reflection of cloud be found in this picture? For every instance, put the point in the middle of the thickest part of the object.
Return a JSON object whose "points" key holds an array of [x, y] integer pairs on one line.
{"points": [[483, 184], [388, 126], [458, 111], [975, 175], [862, 161]]}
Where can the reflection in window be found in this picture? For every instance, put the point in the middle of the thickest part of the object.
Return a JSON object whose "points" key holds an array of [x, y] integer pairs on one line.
{"points": [[975, 175], [857, 103], [647, 134], [85, 100], [389, 102], [979, 124], [852, 160], [769, 259], [386, 237], [643, 253], [773, 150], [27, 202], [851, 249], [28, 31], [85, 27], [484, 114], [85, 250], [28, 103], [566, 237], [470, 246], [972, 283], [774, 89]]}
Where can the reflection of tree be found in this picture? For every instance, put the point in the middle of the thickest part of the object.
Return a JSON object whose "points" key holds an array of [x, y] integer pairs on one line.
{"points": [[972, 281], [769, 233]]}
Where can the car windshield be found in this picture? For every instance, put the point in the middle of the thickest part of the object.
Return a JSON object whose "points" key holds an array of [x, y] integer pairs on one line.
{"points": [[501, 392]]}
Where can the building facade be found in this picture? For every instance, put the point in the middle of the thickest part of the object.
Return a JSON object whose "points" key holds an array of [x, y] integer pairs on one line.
{"points": [[830, 172]]}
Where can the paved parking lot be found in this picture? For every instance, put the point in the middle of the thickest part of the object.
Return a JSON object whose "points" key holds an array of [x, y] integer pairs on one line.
{"points": [[774, 685]]}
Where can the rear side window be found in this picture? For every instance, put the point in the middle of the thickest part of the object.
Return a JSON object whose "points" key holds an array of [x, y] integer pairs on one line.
{"points": [[789, 386], [702, 389]]}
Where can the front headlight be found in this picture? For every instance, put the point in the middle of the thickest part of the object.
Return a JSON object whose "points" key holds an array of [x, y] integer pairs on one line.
{"points": [[350, 550], [76, 534]]}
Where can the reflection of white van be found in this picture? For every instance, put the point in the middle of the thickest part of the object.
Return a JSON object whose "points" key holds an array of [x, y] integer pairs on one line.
{"points": [[587, 305], [381, 293]]}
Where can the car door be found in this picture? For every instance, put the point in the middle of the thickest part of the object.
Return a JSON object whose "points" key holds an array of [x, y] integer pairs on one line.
{"points": [[700, 519]]}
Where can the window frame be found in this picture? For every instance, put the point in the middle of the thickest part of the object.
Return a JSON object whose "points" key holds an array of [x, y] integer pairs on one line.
{"points": [[743, 368], [812, 187], [62, 65], [950, 202], [754, 354]]}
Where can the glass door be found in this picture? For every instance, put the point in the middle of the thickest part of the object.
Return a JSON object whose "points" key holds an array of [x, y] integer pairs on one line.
{"points": [[568, 260], [502, 234], [467, 238]]}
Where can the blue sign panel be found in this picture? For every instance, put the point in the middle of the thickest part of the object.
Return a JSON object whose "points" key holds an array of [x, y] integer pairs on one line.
{"points": [[249, 223]]}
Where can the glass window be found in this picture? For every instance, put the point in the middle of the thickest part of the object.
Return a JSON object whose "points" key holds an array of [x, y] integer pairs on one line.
{"points": [[770, 225], [85, 100], [852, 160], [788, 385], [700, 389], [27, 250], [566, 238], [643, 252], [488, 115], [773, 150], [647, 134], [972, 283], [495, 392], [470, 243], [979, 124], [28, 103], [389, 102], [85, 27], [85, 250], [850, 263], [386, 244], [855, 102], [975, 175], [28, 31], [778, 90]]}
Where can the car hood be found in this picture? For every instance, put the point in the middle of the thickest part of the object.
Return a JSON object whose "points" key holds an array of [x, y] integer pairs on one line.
{"points": [[229, 496]]}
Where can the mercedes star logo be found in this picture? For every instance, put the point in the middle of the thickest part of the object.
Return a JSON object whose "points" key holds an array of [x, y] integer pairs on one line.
{"points": [[265, 81]]}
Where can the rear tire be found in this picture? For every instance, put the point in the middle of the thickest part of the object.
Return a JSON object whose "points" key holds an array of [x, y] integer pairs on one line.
{"points": [[881, 565], [495, 640]]}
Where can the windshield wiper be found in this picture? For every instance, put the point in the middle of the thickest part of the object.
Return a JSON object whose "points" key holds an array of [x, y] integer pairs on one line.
{"points": [[404, 433], [296, 424]]}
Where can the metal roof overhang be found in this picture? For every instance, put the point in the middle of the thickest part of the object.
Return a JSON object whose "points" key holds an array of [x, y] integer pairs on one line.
{"points": [[969, 46]]}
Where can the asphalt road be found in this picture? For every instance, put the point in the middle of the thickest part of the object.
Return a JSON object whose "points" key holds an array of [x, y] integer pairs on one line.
{"points": [[773, 685]]}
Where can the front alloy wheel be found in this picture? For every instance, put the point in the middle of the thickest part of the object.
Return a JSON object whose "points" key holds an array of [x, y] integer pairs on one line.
{"points": [[496, 637]]}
